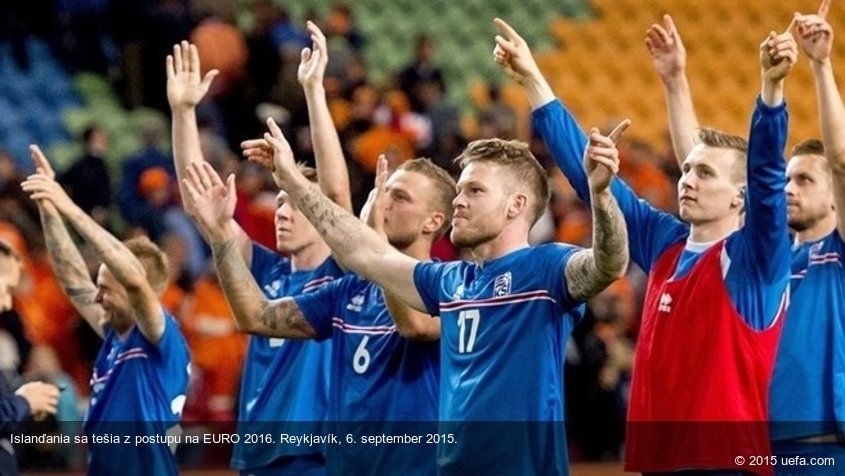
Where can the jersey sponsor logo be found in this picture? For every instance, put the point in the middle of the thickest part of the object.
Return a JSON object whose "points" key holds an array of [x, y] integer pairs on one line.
{"points": [[272, 289], [502, 284], [665, 304], [356, 303]]}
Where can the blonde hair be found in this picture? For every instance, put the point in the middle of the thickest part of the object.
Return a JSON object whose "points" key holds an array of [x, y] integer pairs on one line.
{"points": [[152, 259], [444, 186], [517, 157]]}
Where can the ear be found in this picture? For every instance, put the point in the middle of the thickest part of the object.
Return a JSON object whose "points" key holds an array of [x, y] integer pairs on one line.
{"points": [[739, 200], [433, 223], [517, 204]]}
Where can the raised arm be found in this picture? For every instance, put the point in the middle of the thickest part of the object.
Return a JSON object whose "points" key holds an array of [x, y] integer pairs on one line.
{"points": [[765, 229], [68, 264], [125, 267], [254, 314], [185, 89], [669, 57], [649, 230], [589, 271], [353, 243], [816, 39], [331, 165]]}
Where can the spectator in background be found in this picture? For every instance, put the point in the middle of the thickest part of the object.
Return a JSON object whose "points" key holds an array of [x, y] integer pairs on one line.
{"points": [[217, 348], [420, 71], [88, 180], [133, 207], [157, 187], [33, 399]]}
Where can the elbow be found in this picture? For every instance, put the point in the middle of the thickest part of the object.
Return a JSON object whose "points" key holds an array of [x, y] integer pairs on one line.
{"points": [[418, 331]]}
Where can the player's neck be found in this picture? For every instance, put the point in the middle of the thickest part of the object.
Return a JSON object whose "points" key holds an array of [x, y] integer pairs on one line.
{"points": [[419, 249], [498, 247], [819, 230], [714, 230], [310, 256]]}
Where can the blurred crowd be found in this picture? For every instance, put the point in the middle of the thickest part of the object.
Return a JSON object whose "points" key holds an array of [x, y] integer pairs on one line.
{"points": [[405, 116]]}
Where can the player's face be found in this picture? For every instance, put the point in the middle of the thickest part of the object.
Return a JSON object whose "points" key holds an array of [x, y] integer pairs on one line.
{"points": [[10, 277], [293, 231], [809, 197], [481, 204], [707, 191], [112, 296], [406, 207]]}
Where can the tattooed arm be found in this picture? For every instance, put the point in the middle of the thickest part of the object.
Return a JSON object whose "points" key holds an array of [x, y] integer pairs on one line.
{"points": [[116, 256], [357, 246], [70, 268], [254, 314], [590, 271]]}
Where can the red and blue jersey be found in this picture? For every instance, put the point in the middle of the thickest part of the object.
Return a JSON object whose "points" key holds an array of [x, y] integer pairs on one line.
{"points": [[753, 262]]}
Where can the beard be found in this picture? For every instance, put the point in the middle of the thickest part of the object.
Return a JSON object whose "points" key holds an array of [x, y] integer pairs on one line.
{"points": [[400, 241], [471, 240]]}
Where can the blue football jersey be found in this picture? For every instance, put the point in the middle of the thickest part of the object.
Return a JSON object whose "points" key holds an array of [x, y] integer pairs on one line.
{"points": [[137, 391], [808, 384], [283, 380], [505, 324], [378, 378]]}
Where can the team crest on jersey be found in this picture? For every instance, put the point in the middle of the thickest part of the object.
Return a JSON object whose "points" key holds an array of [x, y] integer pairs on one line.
{"points": [[356, 304], [502, 285], [459, 292]]}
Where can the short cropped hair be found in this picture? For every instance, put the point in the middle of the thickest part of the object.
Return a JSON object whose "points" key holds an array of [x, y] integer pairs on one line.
{"points": [[721, 140], [808, 147], [152, 259], [516, 156], [444, 186]]}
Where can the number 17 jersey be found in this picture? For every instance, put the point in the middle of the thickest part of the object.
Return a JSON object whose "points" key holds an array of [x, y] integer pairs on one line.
{"points": [[505, 324]]}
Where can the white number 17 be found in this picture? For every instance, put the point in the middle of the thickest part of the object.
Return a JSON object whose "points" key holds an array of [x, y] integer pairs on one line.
{"points": [[465, 345]]}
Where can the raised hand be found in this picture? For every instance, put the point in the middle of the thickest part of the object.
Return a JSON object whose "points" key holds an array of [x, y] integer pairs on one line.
{"points": [[372, 213], [42, 165], [513, 55], [212, 202], [778, 54], [815, 35], [42, 186], [259, 151], [313, 61], [283, 165], [185, 86], [601, 157], [666, 48]]}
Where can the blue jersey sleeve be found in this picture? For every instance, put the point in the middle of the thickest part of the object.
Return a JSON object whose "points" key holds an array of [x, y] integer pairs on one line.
{"points": [[555, 258], [759, 252], [428, 281], [319, 306], [650, 231], [13, 411]]}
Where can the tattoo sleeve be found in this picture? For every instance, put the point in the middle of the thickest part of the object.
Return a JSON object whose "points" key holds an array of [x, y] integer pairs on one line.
{"points": [[252, 311], [588, 272], [70, 268]]}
